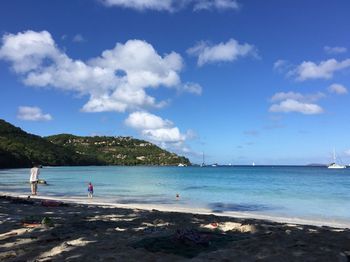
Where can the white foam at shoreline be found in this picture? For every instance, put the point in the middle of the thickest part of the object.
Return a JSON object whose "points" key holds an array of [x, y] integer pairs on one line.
{"points": [[177, 208]]}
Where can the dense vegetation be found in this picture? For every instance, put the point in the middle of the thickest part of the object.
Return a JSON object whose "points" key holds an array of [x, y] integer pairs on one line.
{"points": [[118, 150], [20, 149]]}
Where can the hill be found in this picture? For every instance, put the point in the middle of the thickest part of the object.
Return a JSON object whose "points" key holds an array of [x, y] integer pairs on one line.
{"points": [[20, 149], [118, 150]]}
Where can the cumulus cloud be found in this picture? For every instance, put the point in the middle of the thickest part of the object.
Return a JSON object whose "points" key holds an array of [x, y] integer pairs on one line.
{"points": [[338, 89], [144, 120], [173, 5], [27, 50], [157, 129], [335, 50], [290, 105], [222, 52], [115, 81], [297, 96], [29, 113], [324, 70], [296, 102]]}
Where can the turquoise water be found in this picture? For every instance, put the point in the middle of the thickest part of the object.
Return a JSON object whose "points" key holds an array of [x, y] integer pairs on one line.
{"points": [[296, 192]]}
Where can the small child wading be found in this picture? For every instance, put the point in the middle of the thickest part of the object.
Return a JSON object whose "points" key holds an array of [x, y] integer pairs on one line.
{"points": [[90, 190]]}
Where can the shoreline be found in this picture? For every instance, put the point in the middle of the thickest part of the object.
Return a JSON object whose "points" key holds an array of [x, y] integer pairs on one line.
{"points": [[188, 210]]}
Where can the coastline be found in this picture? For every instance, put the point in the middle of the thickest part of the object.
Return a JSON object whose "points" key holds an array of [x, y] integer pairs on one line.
{"points": [[96, 201]]}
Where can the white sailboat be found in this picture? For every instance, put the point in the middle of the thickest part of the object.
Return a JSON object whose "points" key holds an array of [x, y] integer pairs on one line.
{"points": [[253, 164], [203, 163], [334, 165]]}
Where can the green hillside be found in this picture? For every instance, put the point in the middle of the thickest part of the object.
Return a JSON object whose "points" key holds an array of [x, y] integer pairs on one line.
{"points": [[118, 150], [21, 149]]}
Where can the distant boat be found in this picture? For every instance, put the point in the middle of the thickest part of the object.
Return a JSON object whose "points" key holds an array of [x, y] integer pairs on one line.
{"points": [[334, 165], [214, 165], [253, 164], [181, 164], [203, 163]]}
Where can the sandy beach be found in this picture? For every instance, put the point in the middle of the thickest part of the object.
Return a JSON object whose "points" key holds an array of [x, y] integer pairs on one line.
{"points": [[47, 230]]}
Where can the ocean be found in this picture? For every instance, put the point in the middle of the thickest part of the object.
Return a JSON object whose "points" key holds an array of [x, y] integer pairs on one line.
{"points": [[314, 193]]}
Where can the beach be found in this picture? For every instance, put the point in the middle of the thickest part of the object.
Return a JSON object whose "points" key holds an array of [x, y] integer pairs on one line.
{"points": [[303, 195], [36, 229]]}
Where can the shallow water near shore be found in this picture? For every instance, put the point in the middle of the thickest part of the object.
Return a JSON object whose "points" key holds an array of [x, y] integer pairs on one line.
{"points": [[314, 193]]}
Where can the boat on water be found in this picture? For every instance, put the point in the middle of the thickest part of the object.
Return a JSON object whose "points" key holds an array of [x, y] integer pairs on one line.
{"points": [[334, 165], [253, 164], [203, 163], [181, 164]]}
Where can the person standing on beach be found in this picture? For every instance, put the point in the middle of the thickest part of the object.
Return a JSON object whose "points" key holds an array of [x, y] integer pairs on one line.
{"points": [[90, 190], [34, 177]]}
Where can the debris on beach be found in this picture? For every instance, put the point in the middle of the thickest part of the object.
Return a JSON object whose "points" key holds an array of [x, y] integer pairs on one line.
{"points": [[52, 203], [230, 226], [37, 221]]}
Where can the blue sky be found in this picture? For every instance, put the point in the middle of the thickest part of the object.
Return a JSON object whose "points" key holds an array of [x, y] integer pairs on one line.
{"points": [[242, 81]]}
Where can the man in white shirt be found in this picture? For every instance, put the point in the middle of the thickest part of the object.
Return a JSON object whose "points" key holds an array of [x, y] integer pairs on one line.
{"points": [[34, 177]]}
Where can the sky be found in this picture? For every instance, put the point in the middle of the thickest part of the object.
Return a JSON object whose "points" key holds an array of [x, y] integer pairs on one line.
{"points": [[241, 81]]}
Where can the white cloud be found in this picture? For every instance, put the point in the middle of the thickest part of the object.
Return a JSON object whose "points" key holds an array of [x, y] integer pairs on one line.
{"points": [[324, 70], [296, 102], [145, 120], [78, 38], [215, 4], [297, 96], [32, 114], [158, 5], [335, 50], [338, 89], [222, 52], [291, 105], [281, 66], [115, 81], [156, 129], [165, 135], [173, 5], [193, 88], [27, 50]]}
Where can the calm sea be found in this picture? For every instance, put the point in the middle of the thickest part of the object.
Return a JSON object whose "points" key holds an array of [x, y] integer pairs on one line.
{"points": [[294, 192]]}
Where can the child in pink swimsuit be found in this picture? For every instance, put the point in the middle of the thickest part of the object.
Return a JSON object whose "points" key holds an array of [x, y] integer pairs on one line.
{"points": [[90, 190]]}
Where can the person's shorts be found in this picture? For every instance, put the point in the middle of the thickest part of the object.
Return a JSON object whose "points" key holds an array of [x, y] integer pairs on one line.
{"points": [[34, 182]]}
